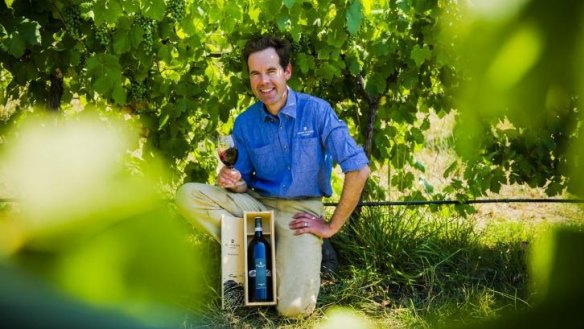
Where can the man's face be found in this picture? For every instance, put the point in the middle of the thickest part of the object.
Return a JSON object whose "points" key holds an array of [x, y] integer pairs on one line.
{"points": [[268, 79]]}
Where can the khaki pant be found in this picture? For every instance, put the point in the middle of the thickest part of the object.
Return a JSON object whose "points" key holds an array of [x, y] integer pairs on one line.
{"points": [[298, 258]]}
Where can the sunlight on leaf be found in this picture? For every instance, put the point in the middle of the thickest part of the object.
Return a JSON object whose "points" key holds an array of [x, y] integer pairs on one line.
{"points": [[354, 16]]}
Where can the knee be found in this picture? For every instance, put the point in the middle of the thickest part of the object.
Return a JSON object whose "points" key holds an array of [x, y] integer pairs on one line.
{"points": [[186, 192]]}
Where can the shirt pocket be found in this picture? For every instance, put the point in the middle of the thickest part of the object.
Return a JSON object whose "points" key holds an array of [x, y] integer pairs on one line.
{"points": [[307, 155], [266, 161]]}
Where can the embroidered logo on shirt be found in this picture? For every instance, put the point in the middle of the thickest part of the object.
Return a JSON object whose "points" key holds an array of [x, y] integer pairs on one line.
{"points": [[305, 132]]}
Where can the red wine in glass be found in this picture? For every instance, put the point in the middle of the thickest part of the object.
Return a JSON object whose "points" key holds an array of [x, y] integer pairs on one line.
{"points": [[227, 150], [228, 156]]}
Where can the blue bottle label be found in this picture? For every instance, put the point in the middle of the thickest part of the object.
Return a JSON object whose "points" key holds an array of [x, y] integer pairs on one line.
{"points": [[261, 282]]}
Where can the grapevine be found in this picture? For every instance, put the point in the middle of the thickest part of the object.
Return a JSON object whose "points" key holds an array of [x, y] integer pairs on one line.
{"points": [[137, 90], [176, 10], [73, 21], [102, 35], [149, 31]]}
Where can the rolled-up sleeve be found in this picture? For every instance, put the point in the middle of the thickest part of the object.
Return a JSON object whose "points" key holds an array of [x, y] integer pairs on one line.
{"points": [[339, 143]]}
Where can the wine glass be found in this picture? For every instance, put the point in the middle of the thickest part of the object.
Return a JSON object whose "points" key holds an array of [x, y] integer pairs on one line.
{"points": [[227, 150]]}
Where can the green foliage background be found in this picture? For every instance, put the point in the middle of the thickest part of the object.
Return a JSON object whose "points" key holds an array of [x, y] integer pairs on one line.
{"points": [[175, 65]]}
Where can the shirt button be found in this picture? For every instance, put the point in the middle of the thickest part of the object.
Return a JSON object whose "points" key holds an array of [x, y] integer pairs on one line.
{"points": [[285, 147], [288, 167]]}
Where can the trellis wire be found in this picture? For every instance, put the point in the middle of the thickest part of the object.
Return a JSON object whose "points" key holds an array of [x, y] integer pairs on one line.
{"points": [[456, 202], [426, 202]]}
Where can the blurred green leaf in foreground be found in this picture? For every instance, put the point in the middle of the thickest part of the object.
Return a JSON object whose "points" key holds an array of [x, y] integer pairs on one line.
{"points": [[88, 227], [557, 269], [520, 99]]}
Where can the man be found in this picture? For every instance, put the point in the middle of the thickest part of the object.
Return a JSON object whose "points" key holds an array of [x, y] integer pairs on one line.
{"points": [[287, 143]]}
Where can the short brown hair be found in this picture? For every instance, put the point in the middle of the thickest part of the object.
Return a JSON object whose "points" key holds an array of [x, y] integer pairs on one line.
{"points": [[282, 47]]}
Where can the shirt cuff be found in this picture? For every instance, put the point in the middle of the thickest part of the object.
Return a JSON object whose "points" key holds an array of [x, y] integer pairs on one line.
{"points": [[357, 162]]}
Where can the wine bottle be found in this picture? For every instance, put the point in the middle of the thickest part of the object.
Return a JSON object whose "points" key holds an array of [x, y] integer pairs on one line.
{"points": [[259, 265]]}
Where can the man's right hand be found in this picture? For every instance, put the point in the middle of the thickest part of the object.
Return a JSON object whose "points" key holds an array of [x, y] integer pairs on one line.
{"points": [[231, 179]]}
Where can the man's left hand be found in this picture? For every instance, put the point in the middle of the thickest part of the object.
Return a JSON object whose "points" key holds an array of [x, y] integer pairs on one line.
{"points": [[303, 223]]}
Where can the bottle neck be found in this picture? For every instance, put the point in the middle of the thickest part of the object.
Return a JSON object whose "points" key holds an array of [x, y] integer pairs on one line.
{"points": [[258, 227]]}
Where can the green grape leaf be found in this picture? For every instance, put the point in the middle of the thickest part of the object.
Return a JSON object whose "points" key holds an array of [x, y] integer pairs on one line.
{"points": [[382, 47], [272, 6], [131, 6], [283, 22], [354, 64], [181, 106], [327, 71], [15, 44], [212, 72], [164, 53], [153, 9], [498, 180], [296, 32], [420, 54], [122, 38], [104, 85], [254, 14], [289, 3], [136, 36], [119, 94], [8, 3], [25, 72], [336, 38], [305, 62], [107, 12], [416, 135], [375, 84], [31, 31], [106, 71], [232, 16], [354, 16]]}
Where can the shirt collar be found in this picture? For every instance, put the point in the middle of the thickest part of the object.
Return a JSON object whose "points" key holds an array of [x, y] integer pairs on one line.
{"points": [[289, 108]]}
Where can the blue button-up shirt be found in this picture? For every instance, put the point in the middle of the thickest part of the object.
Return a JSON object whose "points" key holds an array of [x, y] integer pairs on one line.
{"points": [[291, 155]]}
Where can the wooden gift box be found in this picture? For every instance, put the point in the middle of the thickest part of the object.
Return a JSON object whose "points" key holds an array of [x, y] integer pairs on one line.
{"points": [[232, 262], [236, 233]]}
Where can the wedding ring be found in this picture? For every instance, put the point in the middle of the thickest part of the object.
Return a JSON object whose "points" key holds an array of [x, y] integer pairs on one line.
{"points": [[305, 224]]}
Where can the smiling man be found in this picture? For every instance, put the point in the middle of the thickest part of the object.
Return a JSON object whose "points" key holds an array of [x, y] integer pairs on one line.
{"points": [[287, 144]]}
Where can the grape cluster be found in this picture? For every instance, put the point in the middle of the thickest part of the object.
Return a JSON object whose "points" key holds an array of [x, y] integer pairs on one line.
{"points": [[149, 31], [72, 20], [137, 91], [83, 59], [102, 35], [176, 10]]}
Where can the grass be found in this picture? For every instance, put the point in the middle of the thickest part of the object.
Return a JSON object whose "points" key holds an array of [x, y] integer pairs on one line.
{"points": [[405, 268]]}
